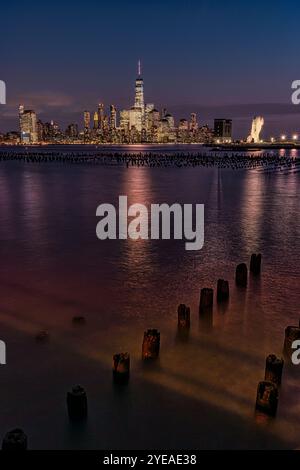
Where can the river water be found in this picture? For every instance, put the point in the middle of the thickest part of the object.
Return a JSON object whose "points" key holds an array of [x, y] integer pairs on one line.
{"points": [[201, 393]]}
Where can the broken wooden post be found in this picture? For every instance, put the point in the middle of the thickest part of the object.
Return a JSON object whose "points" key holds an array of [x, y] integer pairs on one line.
{"points": [[267, 398], [77, 402], [121, 367], [151, 344], [15, 440], [241, 275], [274, 366], [183, 316], [222, 290], [206, 300], [292, 333], [255, 263]]}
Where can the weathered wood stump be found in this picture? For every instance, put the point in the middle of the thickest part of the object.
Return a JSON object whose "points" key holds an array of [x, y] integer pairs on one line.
{"points": [[255, 263], [151, 344], [267, 398], [292, 333], [15, 440], [77, 403], [241, 275], [206, 300], [222, 290], [184, 321], [121, 367], [274, 366]]}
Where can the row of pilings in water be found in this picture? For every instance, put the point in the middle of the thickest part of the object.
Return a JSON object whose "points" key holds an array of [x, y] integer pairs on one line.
{"points": [[267, 391], [234, 161]]}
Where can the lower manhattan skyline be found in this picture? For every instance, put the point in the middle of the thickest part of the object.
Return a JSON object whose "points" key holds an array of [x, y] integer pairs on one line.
{"points": [[143, 122], [81, 62]]}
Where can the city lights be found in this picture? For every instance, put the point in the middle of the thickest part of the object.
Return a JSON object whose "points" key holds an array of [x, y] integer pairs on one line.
{"points": [[143, 123]]}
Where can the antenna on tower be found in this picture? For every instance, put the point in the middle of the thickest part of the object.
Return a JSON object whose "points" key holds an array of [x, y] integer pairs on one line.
{"points": [[139, 68]]}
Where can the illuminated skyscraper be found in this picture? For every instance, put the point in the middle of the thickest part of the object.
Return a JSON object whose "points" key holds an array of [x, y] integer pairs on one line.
{"points": [[134, 118], [100, 115], [169, 118], [87, 119], [96, 120], [124, 120], [193, 122], [139, 91], [113, 117], [87, 124], [28, 125]]}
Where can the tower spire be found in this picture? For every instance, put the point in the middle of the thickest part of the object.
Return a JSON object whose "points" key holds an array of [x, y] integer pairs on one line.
{"points": [[139, 68]]}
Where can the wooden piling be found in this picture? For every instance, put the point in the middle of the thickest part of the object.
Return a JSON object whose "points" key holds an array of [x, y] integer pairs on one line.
{"points": [[151, 344], [273, 371], [15, 440], [241, 275], [183, 316], [292, 333], [206, 300], [77, 402], [121, 367], [267, 398], [255, 264], [222, 290]]}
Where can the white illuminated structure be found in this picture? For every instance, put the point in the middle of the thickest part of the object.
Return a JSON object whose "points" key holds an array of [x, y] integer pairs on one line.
{"points": [[257, 125]]}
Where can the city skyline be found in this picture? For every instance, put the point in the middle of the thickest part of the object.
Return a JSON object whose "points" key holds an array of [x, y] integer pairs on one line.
{"points": [[141, 123], [203, 69]]}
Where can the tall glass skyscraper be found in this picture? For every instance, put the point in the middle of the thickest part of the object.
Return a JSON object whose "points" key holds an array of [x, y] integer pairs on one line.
{"points": [[139, 91]]}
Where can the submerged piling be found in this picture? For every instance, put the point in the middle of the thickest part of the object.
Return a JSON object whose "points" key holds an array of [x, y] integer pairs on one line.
{"points": [[121, 367], [241, 275], [222, 290], [267, 398], [15, 440], [292, 333], [184, 321], [206, 300], [273, 371], [255, 263], [151, 344], [77, 403]]}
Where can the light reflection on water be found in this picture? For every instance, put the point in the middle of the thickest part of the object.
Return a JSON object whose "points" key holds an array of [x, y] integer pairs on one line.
{"points": [[202, 392]]}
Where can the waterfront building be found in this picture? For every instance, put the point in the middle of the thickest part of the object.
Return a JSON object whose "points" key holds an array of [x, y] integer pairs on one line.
{"points": [[87, 125], [87, 119], [28, 125], [100, 115], [193, 125], [96, 120], [72, 131], [113, 118], [223, 130]]}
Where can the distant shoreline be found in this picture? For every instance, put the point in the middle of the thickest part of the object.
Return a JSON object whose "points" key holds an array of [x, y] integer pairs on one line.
{"points": [[221, 147]]}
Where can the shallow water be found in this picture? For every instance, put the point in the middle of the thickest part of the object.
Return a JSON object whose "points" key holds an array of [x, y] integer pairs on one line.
{"points": [[202, 392]]}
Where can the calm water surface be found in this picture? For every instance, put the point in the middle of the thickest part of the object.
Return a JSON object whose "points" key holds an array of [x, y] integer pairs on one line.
{"points": [[202, 392]]}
